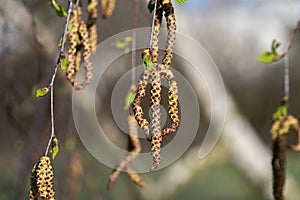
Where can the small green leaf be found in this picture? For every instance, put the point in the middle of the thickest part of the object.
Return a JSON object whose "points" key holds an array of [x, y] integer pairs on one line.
{"points": [[151, 5], [275, 45], [60, 10], [273, 55], [281, 110], [127, 50], [42, 92], [129, 99], [267, 57], [124, 43], [181, 1], [63, 62], [148, 63], [119, 44], [59, 42], [147, 60], [70, 26], [54, 147]]}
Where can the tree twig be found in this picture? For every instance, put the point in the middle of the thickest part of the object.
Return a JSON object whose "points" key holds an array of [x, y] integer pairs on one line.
{"points": [[286, 61], [133, 43], [70, 6]]}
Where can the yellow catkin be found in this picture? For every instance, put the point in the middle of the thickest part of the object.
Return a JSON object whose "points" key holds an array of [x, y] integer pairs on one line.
{"points": [[156, 30], [73, 42], [161, 71], [107, 7], [156, 118], [137, 109], [44, 178], [86, 57], [171, 26], [136, 178], [172, 99], [93, 37], [135, 143], [33, 193], [92, 25]]}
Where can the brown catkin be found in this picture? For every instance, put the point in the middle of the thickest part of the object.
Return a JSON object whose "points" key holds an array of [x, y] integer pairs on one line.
{"points": [[107, 7], [91, 24], [73, 42], [156, 114], [278, 166], [44, 178], [171, 26], [135, 143], [136, 178], [86, 57], [156, 30], [161, 71], [137, 109], [33, 193]]}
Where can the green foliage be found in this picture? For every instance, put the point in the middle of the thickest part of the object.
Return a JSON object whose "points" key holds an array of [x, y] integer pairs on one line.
{"points": [[147, 60], [281, 111], [59, 42], [267, 57], [123, 44], [273, 55], [63, 62], [42, 92], [181, 1], [70, 26], [151, 5], [54, 147], [129, 99], [59, 9]]}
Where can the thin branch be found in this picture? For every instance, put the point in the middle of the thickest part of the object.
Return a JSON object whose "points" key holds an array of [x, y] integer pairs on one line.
{"points": [[286, 76], [286, 61], [152, 26], [133, 43], [70, 6]]}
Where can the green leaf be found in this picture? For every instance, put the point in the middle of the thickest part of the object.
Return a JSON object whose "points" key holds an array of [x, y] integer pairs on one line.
{"points": [[60, 10], [124, 43], [127, 50], [281, 110], [54, 147], [119, 44], [63, 62], [181, 1], [129, 99], [70, 26], [151, 5], [273, 55], [148, 63], [275, 45], [267, 57], [59, 42], [42, 92], [147, 60]]}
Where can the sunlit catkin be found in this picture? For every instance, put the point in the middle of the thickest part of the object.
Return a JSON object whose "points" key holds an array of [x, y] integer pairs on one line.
{"points": [[107, 7], [41, 182]]}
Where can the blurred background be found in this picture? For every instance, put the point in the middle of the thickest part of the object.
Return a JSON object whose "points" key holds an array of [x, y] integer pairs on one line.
{"points": [[234, 33]]}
